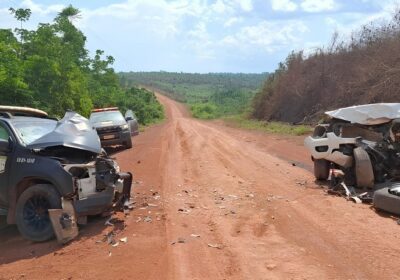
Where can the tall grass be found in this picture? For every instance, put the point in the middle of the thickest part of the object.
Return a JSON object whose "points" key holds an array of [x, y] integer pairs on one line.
{"points": [[242, 121]]}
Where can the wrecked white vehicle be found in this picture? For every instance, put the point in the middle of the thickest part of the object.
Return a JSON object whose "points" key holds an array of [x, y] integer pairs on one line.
{"points": [[49, 164], [362, 141]]}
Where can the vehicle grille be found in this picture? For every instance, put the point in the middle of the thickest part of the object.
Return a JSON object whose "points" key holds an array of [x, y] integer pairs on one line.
{"points": [[108, 129]]}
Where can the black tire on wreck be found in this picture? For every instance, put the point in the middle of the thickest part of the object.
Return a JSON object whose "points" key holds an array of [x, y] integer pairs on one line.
{"points": [[322, 168], [363, 168], [32, 215]]}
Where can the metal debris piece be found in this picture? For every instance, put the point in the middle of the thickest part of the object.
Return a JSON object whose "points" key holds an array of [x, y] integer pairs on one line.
{"points": [[124, 239], [195, 235], [109, 238], [147, 219], [64, 222], [180, 240], [108, 222], [216, 246], [355, 199], [115, 244]]}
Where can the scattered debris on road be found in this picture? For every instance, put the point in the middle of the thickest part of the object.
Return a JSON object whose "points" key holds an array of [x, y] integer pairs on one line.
{"points": [[147, 219], [179, 240], [216, 246]]}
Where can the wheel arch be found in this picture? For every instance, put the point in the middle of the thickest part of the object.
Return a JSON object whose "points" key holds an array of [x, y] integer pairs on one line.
{"points": [[16, 192]]}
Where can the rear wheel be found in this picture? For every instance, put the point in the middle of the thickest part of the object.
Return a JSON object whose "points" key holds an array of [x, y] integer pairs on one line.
{"points": [[321, 169], [32, 215]]}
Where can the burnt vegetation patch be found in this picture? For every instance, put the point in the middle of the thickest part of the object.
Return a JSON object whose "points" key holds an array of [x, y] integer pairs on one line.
{"points": [[362, 69]]}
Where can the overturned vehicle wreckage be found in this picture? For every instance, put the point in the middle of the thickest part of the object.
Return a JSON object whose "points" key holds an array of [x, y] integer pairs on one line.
{"points": [[363, 143], [57, 167]]}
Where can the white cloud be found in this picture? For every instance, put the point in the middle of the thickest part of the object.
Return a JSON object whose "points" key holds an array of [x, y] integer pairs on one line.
{"points": [[158, 17], [41, 9], [315, 6], [348, 23], [268, 36], [200, 41], [220, 7], [246, 5], [232, 21], [283, 5]]}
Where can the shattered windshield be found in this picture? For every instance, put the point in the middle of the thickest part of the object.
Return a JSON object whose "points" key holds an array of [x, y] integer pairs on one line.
{"points": [[111, 116], [29, 131]]}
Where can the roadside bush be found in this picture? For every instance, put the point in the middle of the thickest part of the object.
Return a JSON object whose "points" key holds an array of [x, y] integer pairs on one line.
{"points": [[143, 102], [204, 110]]}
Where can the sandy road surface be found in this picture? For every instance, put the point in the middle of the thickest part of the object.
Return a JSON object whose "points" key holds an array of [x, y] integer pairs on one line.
{"points": [[218, 203]]}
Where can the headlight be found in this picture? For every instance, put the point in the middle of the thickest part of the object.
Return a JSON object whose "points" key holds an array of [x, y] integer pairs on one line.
{"points": [[125, 126]]}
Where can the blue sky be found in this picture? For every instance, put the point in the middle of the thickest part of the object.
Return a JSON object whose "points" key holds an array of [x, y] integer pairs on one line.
{"points": [[207, 35]]}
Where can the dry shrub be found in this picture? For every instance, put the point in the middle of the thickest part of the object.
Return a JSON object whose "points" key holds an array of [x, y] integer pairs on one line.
{"points": [[366, 69]]}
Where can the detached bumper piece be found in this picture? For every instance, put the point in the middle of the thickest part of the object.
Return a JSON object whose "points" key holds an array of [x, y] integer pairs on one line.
{"points": [[123, 202], [388, 199], [64, 222]]}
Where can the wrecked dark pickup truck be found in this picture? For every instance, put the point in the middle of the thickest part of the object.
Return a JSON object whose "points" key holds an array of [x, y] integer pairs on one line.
{"points": [[49, 164], [363, 142]]}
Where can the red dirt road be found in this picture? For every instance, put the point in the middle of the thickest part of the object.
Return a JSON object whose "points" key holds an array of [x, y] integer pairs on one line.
{"points": [[214, 202]]}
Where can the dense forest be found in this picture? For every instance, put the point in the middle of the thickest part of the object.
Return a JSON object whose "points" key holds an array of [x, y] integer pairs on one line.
{"points": [[49, 68], [209, 95], [363, 69]]}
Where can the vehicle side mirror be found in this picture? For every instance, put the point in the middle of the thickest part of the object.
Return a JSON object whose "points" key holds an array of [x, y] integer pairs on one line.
{"points": [[5, 145], [128, 118]]}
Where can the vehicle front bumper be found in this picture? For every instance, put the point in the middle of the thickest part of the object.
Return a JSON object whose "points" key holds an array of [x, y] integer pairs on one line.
{"points": [[106, 199], [118, 138], [328, 148]]}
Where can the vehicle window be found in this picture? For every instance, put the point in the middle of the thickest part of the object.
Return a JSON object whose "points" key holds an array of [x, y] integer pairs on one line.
{"points": [[28, 132], [106, 117], [129, 114], [3, 133]]}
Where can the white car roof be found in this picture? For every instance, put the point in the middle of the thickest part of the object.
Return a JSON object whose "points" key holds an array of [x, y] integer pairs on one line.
{"points": [[369, 114]]}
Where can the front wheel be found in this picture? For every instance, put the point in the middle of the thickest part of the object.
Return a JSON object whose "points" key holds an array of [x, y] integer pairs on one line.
{"points": [[129, 143], [322, 168], [32, 215]]}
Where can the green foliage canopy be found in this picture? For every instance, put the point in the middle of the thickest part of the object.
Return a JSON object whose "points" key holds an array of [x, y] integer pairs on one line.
{"points": [[50, 68]]}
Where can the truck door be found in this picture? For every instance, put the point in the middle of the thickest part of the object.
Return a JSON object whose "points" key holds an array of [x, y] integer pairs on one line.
{"points": [[5, 162]]}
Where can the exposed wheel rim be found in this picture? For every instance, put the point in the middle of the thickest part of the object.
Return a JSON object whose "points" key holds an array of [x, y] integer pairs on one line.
{"points": [[36, 214]]}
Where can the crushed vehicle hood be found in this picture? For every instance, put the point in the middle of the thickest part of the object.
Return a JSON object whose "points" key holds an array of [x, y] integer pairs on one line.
{"points": [[73, 131], [369, 114]]}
